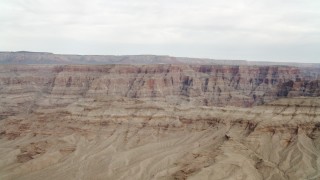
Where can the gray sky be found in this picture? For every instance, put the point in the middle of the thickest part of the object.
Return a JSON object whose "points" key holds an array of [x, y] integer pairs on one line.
{"points": [[273, 30]]}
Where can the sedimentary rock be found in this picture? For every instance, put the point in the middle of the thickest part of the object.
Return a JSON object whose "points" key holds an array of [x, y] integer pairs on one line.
{"points": [[133, 139], [209, 85], [160, 121]]}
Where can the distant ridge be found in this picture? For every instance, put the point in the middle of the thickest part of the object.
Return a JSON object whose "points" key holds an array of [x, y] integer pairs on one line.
{"points": [[28, 57]]}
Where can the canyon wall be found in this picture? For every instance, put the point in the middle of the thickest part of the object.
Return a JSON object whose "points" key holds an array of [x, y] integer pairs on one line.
{"points": [[204, 85], [159, 121]]}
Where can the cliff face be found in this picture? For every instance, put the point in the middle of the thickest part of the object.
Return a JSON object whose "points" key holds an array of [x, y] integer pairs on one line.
{"points": [[159, 122], [205, 85]]}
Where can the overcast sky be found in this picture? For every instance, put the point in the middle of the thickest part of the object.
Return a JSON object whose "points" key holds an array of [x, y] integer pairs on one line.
{"points": [[272, 30]]}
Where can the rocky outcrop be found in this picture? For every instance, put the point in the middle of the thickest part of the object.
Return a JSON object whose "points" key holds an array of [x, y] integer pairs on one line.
{"points": [[134, 139], [208, 85], [168, 121]]}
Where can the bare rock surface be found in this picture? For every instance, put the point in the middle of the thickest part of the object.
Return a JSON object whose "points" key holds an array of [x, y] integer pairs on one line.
{"points": [[134, 139], [163, 121], [208, 85]]}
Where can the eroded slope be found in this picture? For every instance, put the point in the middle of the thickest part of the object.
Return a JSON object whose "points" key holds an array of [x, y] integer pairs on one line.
{"points": [[132, 139], [159, 122]]}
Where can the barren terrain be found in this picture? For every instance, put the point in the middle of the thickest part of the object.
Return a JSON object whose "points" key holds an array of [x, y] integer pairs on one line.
{"points": [[159, 122], [126, 139]]}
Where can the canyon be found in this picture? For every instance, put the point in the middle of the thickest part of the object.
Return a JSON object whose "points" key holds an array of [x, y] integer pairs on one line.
{"points": [[155, 117]]}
